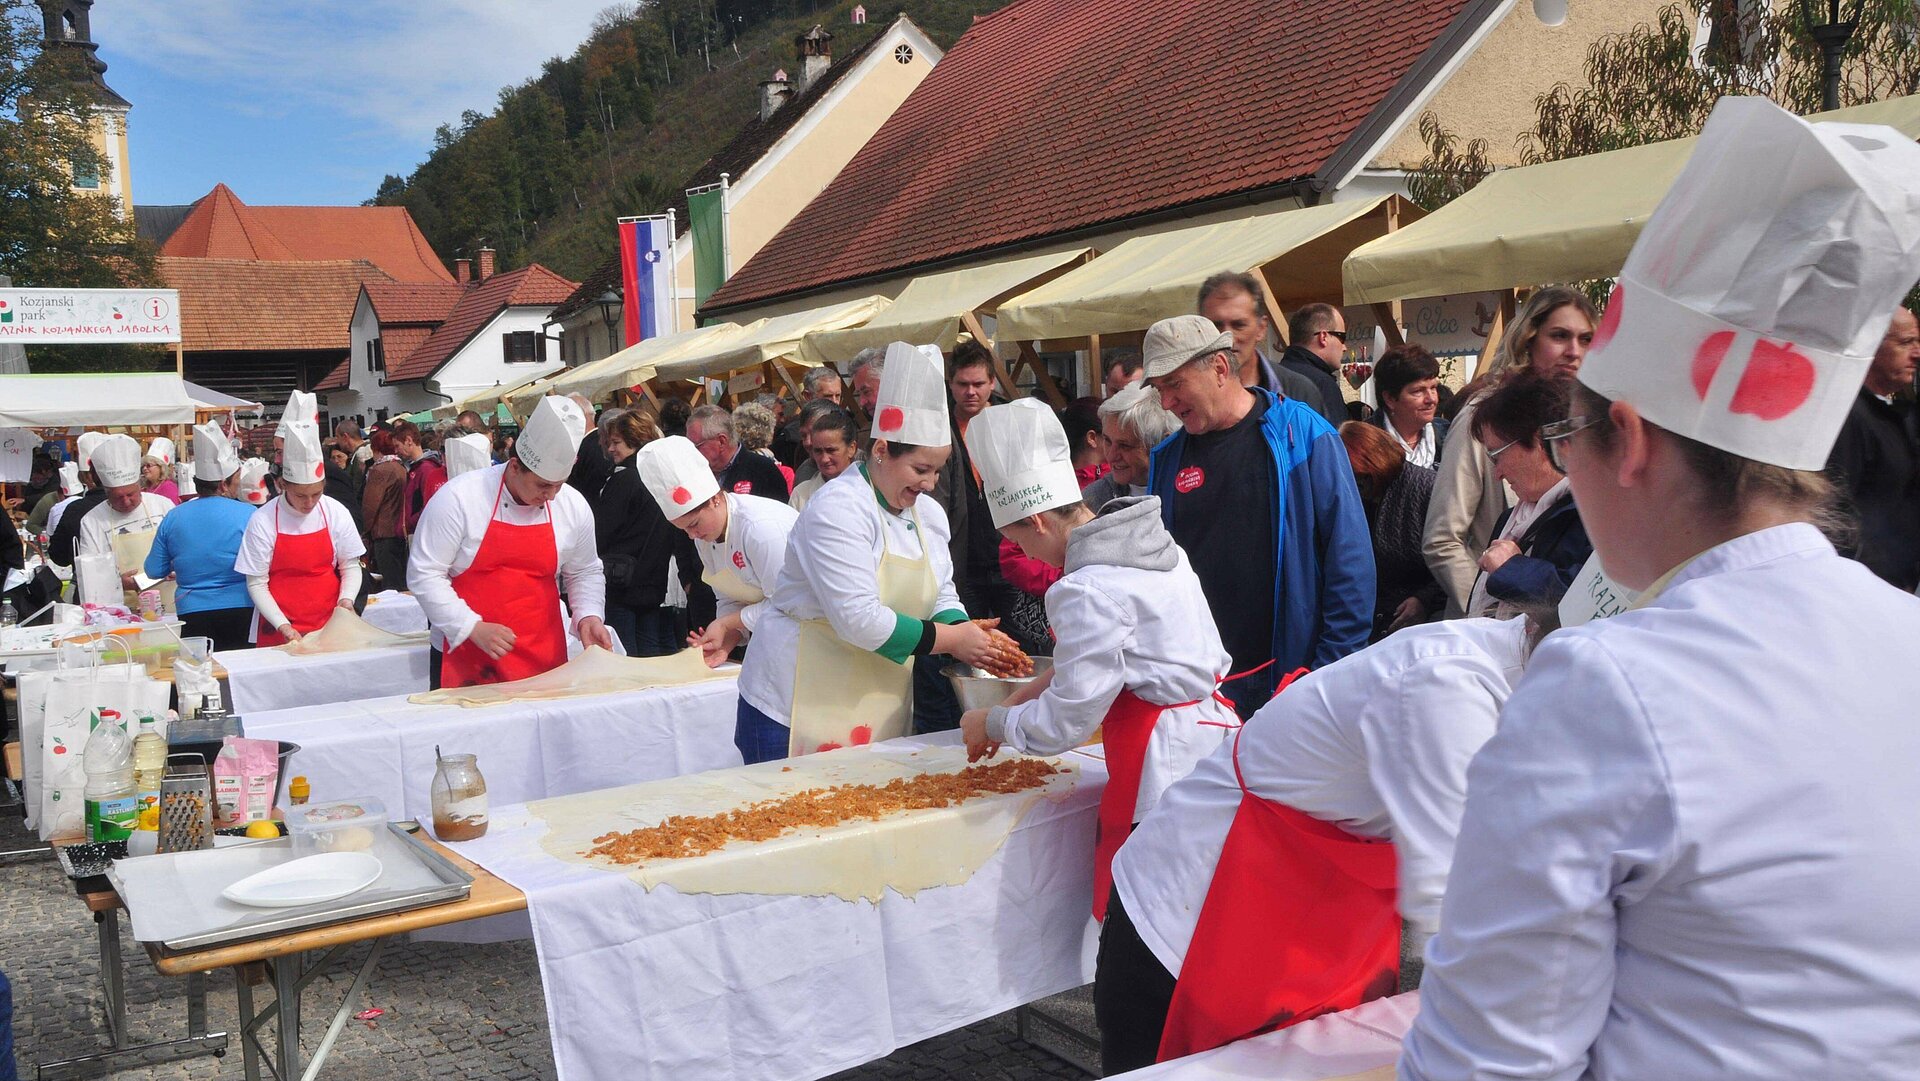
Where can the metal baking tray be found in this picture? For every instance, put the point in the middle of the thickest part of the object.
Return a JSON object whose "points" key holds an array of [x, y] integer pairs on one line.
{"points": [[430, 879]]}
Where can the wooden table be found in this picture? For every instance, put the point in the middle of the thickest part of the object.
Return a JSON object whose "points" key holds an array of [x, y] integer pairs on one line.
{"points": [[291, 961]]}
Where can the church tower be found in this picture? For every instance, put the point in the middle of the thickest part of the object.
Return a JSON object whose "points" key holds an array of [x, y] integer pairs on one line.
{"points": [[68, 27]]}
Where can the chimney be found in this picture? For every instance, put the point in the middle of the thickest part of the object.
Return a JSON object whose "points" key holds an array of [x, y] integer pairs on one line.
{"points": [[816, 56], [462, 270], [486, 265], [774, 93]]}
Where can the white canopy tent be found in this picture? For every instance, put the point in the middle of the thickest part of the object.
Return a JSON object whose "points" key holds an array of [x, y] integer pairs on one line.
{"points": [[108, 400]]}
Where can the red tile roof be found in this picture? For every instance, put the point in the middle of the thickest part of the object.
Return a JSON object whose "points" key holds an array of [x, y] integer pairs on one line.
{"points": [[413, 302], [529, 286], [1052, 115], [335, 379], [252, 304], [221, 226]]}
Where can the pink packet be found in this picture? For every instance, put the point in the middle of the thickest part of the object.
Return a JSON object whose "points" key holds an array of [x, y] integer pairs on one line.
{"points": [[246, 774]]}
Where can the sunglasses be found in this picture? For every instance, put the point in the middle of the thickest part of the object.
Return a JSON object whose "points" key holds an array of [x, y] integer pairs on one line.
{"points": [[1553, 435], [1340, 334]]}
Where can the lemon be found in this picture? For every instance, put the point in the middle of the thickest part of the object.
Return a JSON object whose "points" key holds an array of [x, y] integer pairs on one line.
{"points": [[263, 828]]}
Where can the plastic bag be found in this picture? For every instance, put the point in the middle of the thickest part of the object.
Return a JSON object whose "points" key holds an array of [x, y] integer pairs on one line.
{"points": [[97, 579], [72, 697]]}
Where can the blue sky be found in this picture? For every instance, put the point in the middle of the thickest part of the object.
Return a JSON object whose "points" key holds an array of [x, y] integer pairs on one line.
{"points": [[297, 102]]}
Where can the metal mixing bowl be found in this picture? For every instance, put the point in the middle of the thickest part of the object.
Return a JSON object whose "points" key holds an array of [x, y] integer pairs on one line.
{"points": [[977, 690]]}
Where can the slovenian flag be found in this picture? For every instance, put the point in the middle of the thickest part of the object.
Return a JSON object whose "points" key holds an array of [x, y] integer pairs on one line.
{"points": [[646, 246]]}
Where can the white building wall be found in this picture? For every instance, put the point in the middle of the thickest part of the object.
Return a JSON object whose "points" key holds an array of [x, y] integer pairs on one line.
{"points": [[481, 364]]}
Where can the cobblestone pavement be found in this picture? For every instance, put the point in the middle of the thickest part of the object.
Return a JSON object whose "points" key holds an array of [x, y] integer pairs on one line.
{"points": [[451, 1010]]}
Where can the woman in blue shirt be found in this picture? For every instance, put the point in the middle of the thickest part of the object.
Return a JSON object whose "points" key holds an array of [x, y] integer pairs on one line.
{"points": [[199, 548]]}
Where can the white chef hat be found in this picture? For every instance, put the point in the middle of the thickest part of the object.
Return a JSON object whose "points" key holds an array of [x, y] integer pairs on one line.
{"points": [[302, 408], [214, 458], [253, 480], [1751, 306], [551, 439], [466, 453], [162, 448], [677, 475], [116, 461], [83, 447], [69, 478], [911, 406], [302, 459], [1025, 462]]}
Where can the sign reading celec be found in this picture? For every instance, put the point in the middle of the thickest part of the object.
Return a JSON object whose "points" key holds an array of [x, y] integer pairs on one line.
{"points": [[74, 316]]}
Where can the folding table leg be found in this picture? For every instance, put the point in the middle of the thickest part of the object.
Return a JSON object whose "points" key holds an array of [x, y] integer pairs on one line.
{"points": [[113, 975], [249, 1045], [286, 991]]}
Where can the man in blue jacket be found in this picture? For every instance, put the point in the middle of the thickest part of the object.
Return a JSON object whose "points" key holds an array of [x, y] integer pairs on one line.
{"points": [[1259, 492]]}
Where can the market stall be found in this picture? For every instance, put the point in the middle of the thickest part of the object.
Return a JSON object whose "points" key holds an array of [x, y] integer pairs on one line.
{"points": [[766, 354], [1361, 1044], [485, 402], [384, 747], [630, 367], [936, 309], [1294, 254]]}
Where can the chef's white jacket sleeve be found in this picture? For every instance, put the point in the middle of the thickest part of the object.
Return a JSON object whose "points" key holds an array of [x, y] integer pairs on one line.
{"points": [[766, 552], [1090, 628], [580, 567], [1417, 758], [262, 596], [1569, 814], [256, 544], [436, 544]]}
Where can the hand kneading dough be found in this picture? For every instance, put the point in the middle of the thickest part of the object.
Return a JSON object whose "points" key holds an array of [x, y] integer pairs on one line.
{"points": [[344, 631], [906, 852], [594, 671]]}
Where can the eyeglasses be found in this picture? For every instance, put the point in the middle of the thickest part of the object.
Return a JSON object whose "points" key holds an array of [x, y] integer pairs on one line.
{"points": [[712, 438], [1494, 454], [1552, 435]]}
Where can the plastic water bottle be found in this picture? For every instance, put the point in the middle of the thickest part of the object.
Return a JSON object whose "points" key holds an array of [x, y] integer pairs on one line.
{"points": [[110, 798], [149, 764], [9, 615]]}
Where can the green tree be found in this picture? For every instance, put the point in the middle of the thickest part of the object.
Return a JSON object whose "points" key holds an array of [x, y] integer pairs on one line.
{"points": [[50, 233]]}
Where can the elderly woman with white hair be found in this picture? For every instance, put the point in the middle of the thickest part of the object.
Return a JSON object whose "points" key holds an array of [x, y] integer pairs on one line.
{"points": [[1132, 423]]}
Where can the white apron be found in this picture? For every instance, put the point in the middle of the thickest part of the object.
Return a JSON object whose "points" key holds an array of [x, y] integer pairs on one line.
{"points": [[130, 557], [843, 695]]}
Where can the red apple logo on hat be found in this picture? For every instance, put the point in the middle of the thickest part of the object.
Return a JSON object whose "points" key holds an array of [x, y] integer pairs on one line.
{"points": [[1610, 321], [1778, 380], [891, 419], [680, 497]]}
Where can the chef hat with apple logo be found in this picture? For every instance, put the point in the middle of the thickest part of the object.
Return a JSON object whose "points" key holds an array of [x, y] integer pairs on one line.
{"points": [[676, 474], [1749, 310], [911, 406]]}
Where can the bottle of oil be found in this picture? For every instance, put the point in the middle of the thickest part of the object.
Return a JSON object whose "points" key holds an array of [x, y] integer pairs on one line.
{"points": [[149, 762]]}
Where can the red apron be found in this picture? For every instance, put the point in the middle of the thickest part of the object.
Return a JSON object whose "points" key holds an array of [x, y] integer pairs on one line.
{"points": [[1124, 733], [302, 578], [1299, 921], [511, 582]]}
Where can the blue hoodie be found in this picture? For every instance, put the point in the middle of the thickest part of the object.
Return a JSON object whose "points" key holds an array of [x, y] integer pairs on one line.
{"points": [[1323, 584]]}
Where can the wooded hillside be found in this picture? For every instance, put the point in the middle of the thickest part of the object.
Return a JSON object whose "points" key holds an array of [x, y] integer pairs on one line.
{"points": [[619, 126]]}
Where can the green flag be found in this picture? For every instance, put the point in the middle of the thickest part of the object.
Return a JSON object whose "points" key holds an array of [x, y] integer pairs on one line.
{"points": [[706, 213]]}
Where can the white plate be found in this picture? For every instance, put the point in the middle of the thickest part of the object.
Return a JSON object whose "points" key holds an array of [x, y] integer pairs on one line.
{"points": [[309, 880]]}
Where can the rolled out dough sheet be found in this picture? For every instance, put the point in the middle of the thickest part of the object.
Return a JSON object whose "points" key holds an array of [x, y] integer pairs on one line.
{"points": [[344, 630], [907, 852], [594, 671]]}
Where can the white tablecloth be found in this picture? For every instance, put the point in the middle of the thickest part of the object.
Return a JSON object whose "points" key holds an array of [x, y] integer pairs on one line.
{"points": [[383, 747], [1337, 1045], [262, 680], [392, 610], [668, 985]]}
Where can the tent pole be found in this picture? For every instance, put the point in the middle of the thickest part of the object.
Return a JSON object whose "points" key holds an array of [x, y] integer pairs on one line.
{"points": [[971, 320], [1388, 315]]}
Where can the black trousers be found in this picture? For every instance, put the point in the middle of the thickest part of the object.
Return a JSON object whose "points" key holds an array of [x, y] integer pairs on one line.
{"points": [[228, 627], [1132, 991], [389, 558]]}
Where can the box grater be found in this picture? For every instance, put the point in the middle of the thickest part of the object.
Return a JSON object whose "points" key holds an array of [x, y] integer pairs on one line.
{"points": [[186, 805]]}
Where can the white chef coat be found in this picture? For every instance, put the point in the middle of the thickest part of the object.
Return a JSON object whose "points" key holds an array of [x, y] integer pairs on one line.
{"points": [[1689, 851], [1129, 628], [755, 547], [1376, 743], [103, 523], [448, 537], [832, 573], [1519, 518], [256, 544]]}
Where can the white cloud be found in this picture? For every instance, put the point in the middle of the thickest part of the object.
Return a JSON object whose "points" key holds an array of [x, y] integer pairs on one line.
{"points": [[399, 68]]}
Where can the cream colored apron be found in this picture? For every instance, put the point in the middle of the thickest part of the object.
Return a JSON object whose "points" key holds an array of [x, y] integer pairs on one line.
{"points": [[843, 695], [727, 583], [130, 557]]}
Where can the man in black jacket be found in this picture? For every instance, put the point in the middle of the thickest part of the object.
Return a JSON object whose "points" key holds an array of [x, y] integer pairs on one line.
{"points": [[1318, 335], [740, 472], [1876, 459], [591, 467]]}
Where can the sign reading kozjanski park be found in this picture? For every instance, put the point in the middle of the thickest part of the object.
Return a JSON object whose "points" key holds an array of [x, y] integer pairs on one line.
{"points": [[69, 316]]}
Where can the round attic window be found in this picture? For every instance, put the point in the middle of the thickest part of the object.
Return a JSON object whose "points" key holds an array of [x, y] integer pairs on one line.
{"points": [[903, 54]]}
